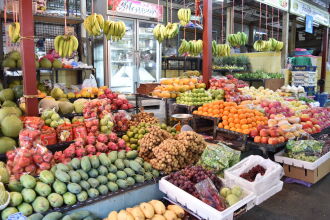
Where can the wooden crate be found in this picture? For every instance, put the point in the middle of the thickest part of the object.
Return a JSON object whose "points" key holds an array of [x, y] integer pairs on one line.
{"points": [[273, 84], [146, 88]]}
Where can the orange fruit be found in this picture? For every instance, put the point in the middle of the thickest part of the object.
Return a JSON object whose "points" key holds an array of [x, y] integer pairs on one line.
{"points": [[226, 127], [225, 123], [220, 125], [243, 121]]}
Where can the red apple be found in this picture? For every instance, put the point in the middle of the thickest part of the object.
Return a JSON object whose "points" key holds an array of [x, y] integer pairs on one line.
{"points": [[281, 139], [273, 132], [304, 117], [257, 139], [264, 140], [264, 132], [272, 141], [254, 133]]}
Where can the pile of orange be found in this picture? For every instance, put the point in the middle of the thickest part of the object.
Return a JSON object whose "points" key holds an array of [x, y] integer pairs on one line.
{"points": [[234, 117], [211, 109]]}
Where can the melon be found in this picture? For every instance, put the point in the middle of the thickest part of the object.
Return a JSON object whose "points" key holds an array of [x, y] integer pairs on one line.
{"points": [[45, 63], [57, 64], [15, 55], [48, 103], [65, 107], [5, 111], [10, 63], [6, 94], [18, 91], [8, 103], [7, 144], [11, 126], [79, 105]]}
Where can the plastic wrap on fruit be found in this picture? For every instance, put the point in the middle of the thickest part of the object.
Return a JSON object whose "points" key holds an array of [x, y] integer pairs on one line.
{"points": [[48, 136], [106, 123], [307, 150], [79, 130], [35, 123], [217, 158], [121, 120], [27, 137], [210, 195], [64, 133], [43, 158]]}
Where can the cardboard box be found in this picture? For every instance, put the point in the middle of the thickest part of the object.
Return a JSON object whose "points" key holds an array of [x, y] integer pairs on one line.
{"points": [[146, 88], [274, 84], [311, 176]]}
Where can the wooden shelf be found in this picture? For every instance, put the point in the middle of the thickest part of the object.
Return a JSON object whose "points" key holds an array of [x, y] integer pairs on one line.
{"points": [[45, 18]]}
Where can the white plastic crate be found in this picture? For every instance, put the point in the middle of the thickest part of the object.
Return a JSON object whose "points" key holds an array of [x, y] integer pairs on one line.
{"points": [[279, 157], [202, 209], [273, 175], [272, 191]]}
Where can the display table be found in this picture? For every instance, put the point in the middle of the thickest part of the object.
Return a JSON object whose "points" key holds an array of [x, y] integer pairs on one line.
{"points": [[124, 200]]}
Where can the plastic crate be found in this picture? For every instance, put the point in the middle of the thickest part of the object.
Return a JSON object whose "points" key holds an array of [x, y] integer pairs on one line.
{"points": [[279, 157], [310, 90], [272, 191], [260, 186], [304, 68], [202, 209]]}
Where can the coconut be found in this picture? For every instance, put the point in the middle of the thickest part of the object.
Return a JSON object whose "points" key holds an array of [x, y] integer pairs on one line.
{"points": [[65, 107], [7, 144], [7, 94], [9, 103], [79, 105], [5, 111], [11, 126], [48, 103]]}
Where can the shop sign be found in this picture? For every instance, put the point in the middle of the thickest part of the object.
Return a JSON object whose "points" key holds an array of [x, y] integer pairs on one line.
{"points": [[309, 24], [136, 8], [280, 4], [303, 9]]}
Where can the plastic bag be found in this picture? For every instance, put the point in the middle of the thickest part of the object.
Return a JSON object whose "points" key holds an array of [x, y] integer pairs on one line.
{"points": [[219, 157], [121, 120], [28, 137], [35, 123], [64, 133], [91, 82], [307, 150], [79, 130], [48, 136], [210, 195]]}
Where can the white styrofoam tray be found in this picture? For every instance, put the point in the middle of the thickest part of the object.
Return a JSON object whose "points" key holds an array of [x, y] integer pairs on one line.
{"points": [[272, 191], [300, 163], [202, 209], [273, 175]]}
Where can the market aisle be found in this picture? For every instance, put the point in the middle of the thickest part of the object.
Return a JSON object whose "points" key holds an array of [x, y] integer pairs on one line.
{"points": [[295, 202]]}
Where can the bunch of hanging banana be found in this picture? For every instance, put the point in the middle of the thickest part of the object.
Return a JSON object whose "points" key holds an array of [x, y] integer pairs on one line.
{"points": [[275, 44], [238, 39], [65, 45], [160, 32], [219, 50], [196, 47], [193, 47], [94, 24], [114, 30], [172, 29], [184, 16], [14, 32], [184, 47]]}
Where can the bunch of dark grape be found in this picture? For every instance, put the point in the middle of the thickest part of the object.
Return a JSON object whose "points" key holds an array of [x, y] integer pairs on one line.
{"points": [[187, 178], [253, 172]]}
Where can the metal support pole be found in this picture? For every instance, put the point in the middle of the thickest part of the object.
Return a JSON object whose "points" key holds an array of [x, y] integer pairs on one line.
{"points": [[27, 51], [325, 48], [207, 41], [292, 37], [285, 39]]}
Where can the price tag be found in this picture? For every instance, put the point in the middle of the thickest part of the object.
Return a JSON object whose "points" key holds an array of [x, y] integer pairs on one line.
{"points": [[17, 216]]}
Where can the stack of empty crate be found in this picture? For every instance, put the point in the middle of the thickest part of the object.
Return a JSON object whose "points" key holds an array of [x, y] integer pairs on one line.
{"points": [[306, 77]]}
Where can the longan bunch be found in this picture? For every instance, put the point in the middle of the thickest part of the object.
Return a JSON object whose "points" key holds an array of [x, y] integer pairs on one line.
{"points": [[175, 154], [143, 117], [152, 139]]}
